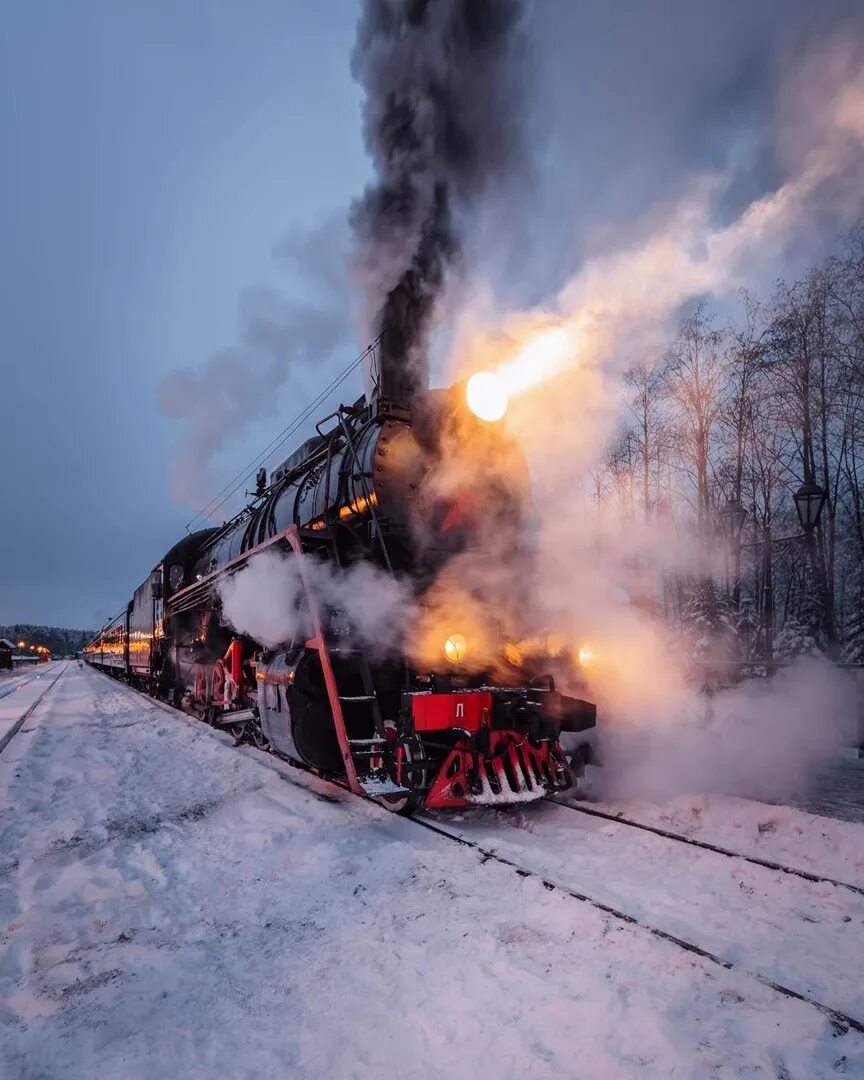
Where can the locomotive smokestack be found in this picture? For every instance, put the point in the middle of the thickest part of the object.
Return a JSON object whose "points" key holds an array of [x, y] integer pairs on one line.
{"points": [[440, 77]]}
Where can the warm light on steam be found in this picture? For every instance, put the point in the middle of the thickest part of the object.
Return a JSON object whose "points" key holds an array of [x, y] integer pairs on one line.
{"points": [[585, 655], [486, 396], [545, 353], [455, 648]]}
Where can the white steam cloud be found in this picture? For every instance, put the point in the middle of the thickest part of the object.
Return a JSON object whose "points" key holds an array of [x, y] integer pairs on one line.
{"points": [[266, 600], [761, 740], [621, 302], [599, 573]]}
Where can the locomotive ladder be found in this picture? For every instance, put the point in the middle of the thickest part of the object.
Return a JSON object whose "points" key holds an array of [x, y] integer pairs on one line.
{"points": [[357, 754]]}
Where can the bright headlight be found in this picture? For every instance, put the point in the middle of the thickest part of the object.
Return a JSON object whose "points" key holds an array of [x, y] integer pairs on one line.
{"points": [[455, 648], [486, 396]]}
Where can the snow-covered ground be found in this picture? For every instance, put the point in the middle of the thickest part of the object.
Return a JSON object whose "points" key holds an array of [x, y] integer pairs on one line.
{"points": [[171, 906], [781, 834]]}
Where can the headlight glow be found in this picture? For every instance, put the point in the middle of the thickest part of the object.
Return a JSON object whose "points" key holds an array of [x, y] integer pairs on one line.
{"points": [[486, 396], [455, 648]]}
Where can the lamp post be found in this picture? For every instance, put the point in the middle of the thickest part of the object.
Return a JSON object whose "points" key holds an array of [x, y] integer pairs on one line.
{"points": [[732, 518], [733, 515], [809, 500]]}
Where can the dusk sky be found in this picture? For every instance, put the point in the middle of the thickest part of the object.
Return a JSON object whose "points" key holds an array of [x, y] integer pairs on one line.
{"points": [[173, 174]]}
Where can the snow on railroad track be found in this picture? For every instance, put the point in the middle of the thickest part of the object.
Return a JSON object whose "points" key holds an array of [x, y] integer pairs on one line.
{"points": [[803, 935], [17, 703], [823, 846], [170, 906], [11, 684], [706, 845]]}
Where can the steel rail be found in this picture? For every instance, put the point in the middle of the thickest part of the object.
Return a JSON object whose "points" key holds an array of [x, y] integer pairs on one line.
{"points": [[706, 845], [842, 1021], [7, 691], [16, 727]]}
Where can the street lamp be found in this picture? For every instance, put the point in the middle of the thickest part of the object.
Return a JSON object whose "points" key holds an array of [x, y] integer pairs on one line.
{"points": [[732, 516], [809, 500]]}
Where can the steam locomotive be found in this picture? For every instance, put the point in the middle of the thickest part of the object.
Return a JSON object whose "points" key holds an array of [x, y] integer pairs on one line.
{"points": [[427, 493]]}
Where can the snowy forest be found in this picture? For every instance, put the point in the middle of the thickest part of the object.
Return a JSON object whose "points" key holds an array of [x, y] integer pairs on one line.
{"points": [[722, 429], [58, 640]]}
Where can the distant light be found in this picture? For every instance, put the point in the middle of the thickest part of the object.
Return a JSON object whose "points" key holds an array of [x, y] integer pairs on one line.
{"points": [[585, 655], [455, 648], [486, 396]]}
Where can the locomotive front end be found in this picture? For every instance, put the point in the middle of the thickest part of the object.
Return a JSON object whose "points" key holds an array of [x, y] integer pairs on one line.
{"points": [[500, 744]]}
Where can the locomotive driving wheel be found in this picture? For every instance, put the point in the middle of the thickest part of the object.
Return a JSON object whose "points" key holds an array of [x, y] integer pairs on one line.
{"points": [[405, 752], [256, 733], [217, 685], [201, 701]]}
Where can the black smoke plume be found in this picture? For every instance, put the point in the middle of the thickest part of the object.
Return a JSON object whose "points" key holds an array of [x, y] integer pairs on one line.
{"points": [[441, 80]]}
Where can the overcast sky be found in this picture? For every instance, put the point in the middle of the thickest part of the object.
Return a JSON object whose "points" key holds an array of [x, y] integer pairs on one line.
{"points": [[171, 171]]}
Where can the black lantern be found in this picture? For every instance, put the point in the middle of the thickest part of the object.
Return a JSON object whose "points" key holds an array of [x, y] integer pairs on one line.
{"points": [[809, 500], [733, 515]]}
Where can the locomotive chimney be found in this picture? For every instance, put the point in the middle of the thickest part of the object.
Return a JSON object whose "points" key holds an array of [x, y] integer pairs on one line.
{"points": [[438, 119], [395, 381]]}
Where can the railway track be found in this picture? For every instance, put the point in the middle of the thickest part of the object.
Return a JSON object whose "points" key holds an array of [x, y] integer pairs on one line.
{"points": [[6, 691], [705, 845], [21, 681], [25, 716], [840, 1020]]}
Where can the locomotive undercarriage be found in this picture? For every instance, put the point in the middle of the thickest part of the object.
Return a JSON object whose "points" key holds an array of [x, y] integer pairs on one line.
{"points": [[434, 748]]}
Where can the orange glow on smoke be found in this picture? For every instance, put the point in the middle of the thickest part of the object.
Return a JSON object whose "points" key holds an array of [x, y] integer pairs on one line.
{"points": [[549, 645], [451, 628], [540, 356], [528, 352]]}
